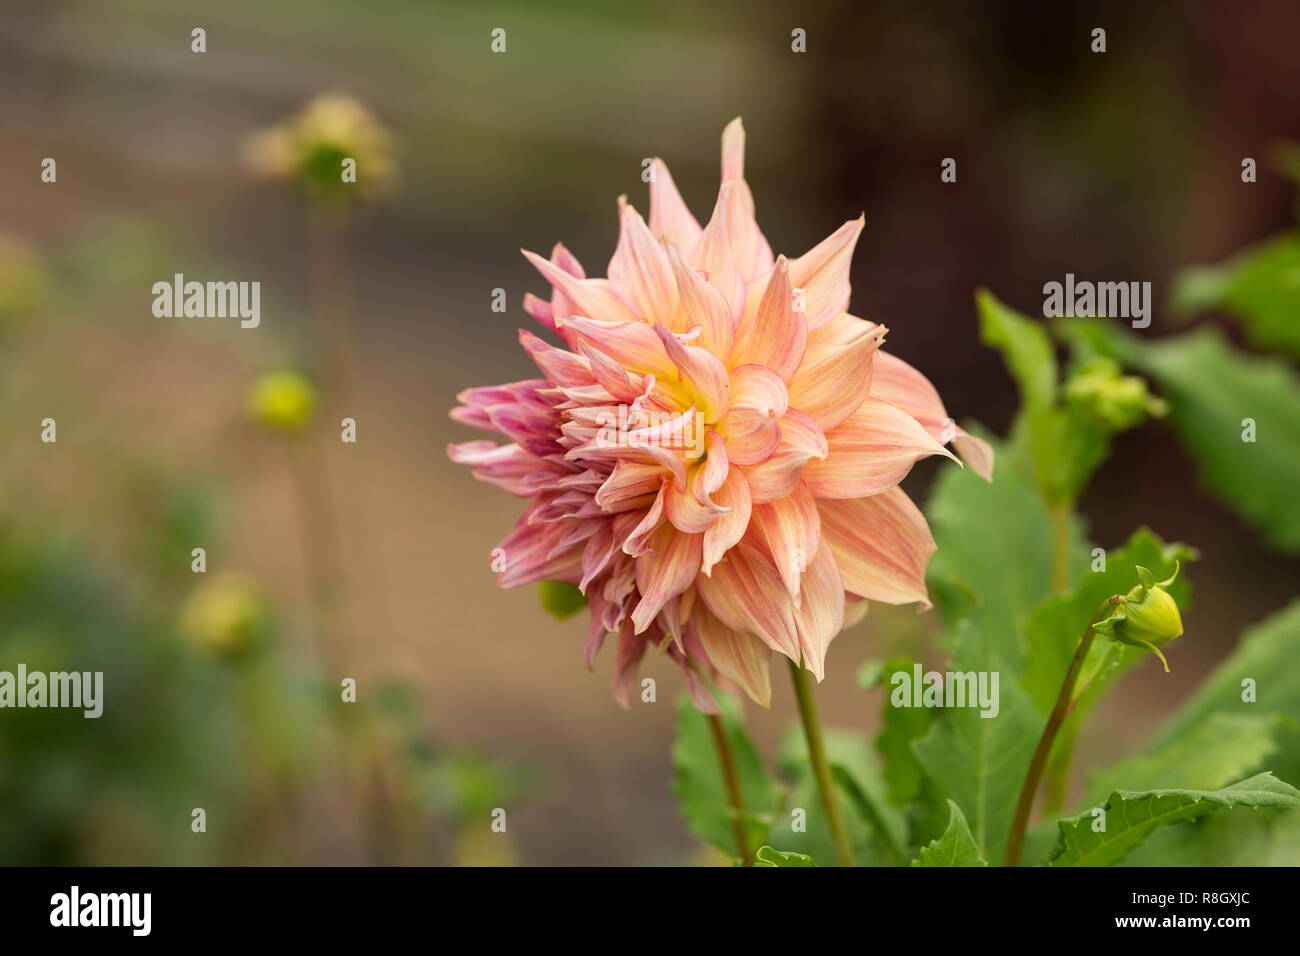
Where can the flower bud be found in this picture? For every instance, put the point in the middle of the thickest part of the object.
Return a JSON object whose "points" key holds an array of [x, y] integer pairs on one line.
{"points": [[560, 599], [1119, 402], [283, 401], [23, 279], [310, 150], [225, 617], [1145, 617]]}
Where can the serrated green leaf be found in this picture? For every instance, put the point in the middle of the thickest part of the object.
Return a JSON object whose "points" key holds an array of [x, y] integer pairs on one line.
{"points": [[1223, 748], [1212, 391], [766, 856], [1269, 837], [1130, 816], [956, 847], [1268, 655], [1260, 286], [698, 782], [980, 762]]}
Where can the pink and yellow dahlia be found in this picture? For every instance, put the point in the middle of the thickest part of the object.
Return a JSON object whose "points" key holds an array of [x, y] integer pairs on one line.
{"points": [[714, 456]]}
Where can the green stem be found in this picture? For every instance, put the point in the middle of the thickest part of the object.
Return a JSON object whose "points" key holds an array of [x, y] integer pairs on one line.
{"points": [[734, 796], [1016, 842], [821, 767]]}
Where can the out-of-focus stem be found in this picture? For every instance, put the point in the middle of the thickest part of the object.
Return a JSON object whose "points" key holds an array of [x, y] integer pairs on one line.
{"points": [[1016, 841], [734, 796], [812, 729]]}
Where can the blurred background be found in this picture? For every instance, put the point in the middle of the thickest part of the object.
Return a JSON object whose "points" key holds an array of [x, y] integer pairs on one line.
{"points": [[223, 687]]}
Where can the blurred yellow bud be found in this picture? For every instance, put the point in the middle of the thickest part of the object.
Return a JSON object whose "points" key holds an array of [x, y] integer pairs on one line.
{"points": [[225, 616], [22, 278], [284, 401], [333, 149]]}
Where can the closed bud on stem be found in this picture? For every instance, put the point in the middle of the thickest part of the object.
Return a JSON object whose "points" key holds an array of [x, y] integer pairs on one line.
{"points": [[1145, 617], [1118, 402]]}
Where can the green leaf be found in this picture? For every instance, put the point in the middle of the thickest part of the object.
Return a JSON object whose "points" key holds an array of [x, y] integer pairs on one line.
{"points": [[560, 599], [1223, 748], [766, 856], [1212, 390], [1025, 347], [956, 847], [698, 781], [980, 762], [884, 819], [899, 727], [1268, 656], [1269, 837], [1131, 816], [852, 755], [1260, 287], [993, 565]]}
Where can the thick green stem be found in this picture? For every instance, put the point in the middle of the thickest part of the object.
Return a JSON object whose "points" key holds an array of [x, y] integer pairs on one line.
{"points": [[1016, 842], [734, 796], [812, 730]]}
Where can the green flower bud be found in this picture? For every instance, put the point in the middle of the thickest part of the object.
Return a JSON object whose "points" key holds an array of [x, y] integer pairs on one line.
{"points": [[283, 401], [1145, 617], [1119, 402]]}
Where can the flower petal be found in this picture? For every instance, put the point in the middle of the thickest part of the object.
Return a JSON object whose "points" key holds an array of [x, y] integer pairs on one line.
{"points": [[791, 529], [823, 273], [731, 526], [833, 380], [871, 451], [703, 305], [668, 569], [669, 217], [702, 371], [632, 344], [777, 335], [820, 616], [903, 386], [802, 444], [746, 594], [559, 366], [631, 648], [741, 658], [711, 254], [593, 297], [749, 248], [882, 545], [640, 270]]}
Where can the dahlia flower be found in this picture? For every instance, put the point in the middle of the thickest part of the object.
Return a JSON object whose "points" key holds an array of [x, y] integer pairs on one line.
{"points": [[714, 455]]}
